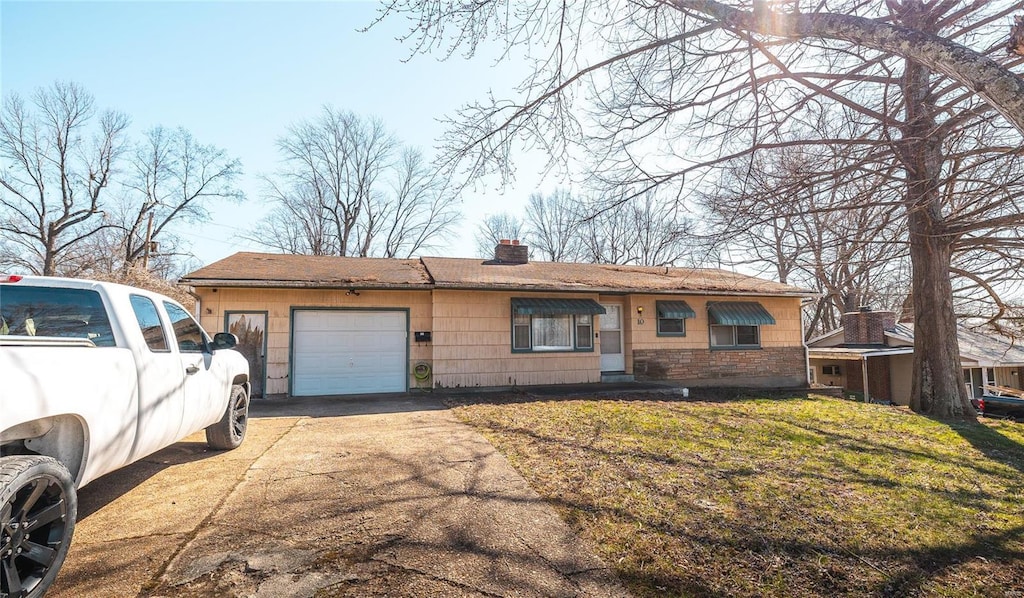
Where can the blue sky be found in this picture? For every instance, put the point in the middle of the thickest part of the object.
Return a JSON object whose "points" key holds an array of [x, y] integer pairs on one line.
{"points": [[236, 74]]}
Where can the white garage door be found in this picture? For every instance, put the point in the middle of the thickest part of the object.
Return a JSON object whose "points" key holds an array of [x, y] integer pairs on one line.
{"points": [[348, 352]]}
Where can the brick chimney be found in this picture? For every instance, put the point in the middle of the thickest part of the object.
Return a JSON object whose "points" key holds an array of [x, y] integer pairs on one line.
{"points": [[866, 327], [511, 252]]}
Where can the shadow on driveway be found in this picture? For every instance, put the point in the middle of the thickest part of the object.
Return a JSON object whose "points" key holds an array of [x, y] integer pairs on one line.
{"points": [[341, 406], [116, 484]]}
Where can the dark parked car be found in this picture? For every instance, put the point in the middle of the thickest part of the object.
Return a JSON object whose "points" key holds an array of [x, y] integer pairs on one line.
{"points": [[1006, 407]]}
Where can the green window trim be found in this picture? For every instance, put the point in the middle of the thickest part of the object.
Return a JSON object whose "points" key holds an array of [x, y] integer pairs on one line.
{"points": [[672, 315], [736, 325], [555, 306], [567, 326], [722, 337]]}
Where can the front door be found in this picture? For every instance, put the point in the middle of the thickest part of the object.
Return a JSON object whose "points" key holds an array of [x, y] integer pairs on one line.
{"points": [[251, 330], [610, 339], [161, 394], [202, 400]]}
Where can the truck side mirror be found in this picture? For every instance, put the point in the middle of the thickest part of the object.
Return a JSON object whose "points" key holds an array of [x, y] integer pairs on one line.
{"points": [[224, 340]]}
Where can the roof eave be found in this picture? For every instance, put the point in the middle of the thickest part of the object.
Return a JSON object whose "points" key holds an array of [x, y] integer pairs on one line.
{"points": [[302, 284], [461, 286], [826, 336], [846, 353], [310, 284]]}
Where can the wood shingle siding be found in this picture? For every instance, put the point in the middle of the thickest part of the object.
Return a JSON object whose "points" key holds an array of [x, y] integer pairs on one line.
{"points": [[483, 356], [464, 308]]}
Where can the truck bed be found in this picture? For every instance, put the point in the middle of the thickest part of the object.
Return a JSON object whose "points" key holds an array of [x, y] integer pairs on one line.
{"points": [[1002, 407]]}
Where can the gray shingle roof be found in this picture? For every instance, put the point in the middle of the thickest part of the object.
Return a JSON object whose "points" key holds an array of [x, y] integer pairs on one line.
{"points": [[281, 270], [986, 346], [269, 270], [556, 276]]}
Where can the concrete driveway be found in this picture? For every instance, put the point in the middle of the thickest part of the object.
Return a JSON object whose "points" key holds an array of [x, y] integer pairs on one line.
{"points": [[328, 497]]}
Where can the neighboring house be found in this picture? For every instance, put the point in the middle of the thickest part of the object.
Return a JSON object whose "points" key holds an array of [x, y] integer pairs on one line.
{"points": [[874, 351], [337, 325]]}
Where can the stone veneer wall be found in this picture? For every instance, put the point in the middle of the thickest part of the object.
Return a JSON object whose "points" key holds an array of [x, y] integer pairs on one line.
{"points": [[717, 367]]}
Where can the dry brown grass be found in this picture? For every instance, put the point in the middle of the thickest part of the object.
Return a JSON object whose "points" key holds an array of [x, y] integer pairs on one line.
{"points": [[785, 497], [143, 279]]}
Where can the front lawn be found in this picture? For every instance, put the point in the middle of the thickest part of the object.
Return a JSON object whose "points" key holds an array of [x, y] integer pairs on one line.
{"points": [[775, 497]]}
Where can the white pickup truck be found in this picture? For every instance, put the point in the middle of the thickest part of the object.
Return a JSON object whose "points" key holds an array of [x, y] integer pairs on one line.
{"points": [[94, 376]]}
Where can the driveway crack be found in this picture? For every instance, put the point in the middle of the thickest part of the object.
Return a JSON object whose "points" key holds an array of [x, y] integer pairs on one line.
{"points": [[431, 576], [154, 581]]}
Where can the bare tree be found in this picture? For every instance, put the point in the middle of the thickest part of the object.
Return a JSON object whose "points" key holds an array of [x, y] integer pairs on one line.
{"points": [[643, 230], [296, 224], [60, 157], [418, 211], [663, 234], [171, 179], [739, 78], [553, 224], [78, 198], [494, 229], [841, 238], [348, 187], [562, 228]]}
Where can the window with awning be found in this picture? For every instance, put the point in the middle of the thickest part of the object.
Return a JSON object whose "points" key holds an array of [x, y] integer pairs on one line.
{"points": [[553, 324], [739, 313], [672, 317], [737, 324], [521, 306]]}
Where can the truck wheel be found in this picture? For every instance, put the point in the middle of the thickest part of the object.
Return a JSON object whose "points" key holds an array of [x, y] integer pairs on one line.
{"points": [[229, 432], [38, 506]]}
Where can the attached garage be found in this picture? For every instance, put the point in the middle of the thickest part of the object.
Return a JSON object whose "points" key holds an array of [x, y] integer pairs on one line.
{"points": [[349, 351]]}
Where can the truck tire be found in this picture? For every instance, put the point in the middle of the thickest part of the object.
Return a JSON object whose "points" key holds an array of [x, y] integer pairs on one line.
{"points": [[229, 432], [38, 506]]}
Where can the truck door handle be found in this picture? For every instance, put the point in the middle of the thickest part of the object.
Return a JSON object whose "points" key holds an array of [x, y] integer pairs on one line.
{"points": [[191, 369]]}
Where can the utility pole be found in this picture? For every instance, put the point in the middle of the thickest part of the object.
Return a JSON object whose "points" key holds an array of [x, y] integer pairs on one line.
{"points": [[149, 242]]}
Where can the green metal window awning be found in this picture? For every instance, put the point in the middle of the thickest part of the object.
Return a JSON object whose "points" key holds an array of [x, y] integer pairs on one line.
{"points": [[739, 313], [555, 307], [675, 309]]}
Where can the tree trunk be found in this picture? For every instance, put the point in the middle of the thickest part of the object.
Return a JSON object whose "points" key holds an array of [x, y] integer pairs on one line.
{"points": [[50, 252], [938, 387]]}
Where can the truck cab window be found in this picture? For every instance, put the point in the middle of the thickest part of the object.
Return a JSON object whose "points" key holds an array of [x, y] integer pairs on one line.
{"points": [[149, 322], [189, 334], [69, 313]]}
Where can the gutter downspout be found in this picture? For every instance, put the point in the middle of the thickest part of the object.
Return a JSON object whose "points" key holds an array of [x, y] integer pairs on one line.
{"points": [[864, 375], [803, 342], [199, 302]]}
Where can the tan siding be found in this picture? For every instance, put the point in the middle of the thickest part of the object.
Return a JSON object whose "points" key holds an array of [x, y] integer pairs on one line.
{"points": [[1007, 377], [894, 342], [279, 302], [473, 345], [786, 332], [901, 368], [471, 331], [832, 379]]}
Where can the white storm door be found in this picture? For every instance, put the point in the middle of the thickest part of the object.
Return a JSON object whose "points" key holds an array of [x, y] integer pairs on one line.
{"points": [[610, 338], [340, 352]]}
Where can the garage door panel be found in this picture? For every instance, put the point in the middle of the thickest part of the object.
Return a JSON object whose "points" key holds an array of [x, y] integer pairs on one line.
{"points": [[349, 352]]}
